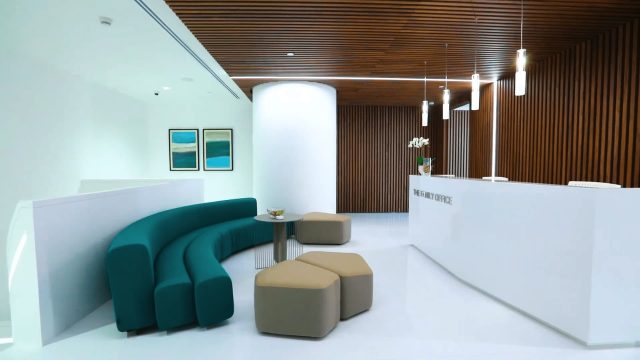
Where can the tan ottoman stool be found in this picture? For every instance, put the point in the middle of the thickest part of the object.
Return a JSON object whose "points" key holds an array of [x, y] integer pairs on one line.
{"points": [[298, 299], [323, 228], [356, 279]]}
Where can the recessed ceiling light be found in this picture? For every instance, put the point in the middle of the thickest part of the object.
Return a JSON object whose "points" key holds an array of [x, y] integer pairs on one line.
{"points": [[105, 20], [166, 88], [187, 79], [441, 87], [291, 54]]}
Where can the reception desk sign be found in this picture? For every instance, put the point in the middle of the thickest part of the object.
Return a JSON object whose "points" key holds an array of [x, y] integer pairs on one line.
{"points": [[445, 199]]}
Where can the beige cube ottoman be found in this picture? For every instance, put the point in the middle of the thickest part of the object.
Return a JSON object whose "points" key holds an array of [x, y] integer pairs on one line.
{"points": [[323, 228], [356, 279], [297, 299]]}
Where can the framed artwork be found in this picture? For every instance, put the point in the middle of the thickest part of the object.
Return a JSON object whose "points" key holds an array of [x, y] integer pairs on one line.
{"points": [[218, 149], [184, 150]]}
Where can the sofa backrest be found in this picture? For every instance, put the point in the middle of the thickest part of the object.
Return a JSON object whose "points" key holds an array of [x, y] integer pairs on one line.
{"points": [[157, 230]]}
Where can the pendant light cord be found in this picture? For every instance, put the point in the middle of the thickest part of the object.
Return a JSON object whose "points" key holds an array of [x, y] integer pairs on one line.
{"points": [[521, 20], [425, 81], [475, 56], [446, 66]]}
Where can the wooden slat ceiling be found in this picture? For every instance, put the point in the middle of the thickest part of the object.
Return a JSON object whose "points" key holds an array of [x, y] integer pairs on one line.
{"points": [[389, 38]]}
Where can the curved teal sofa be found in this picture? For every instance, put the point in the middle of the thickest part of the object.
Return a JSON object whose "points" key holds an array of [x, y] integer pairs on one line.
{"points": [[165, 270]]}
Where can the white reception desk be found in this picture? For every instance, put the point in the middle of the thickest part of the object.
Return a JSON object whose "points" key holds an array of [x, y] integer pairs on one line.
{"points": [[567, 256]]}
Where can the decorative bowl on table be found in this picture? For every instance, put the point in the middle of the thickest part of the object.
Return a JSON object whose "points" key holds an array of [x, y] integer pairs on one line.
{"points": [[276, 213]]}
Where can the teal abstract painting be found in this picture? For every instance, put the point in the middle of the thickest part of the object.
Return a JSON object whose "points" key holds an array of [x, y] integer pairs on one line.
{"points": [[218, 149], [183, 150]]}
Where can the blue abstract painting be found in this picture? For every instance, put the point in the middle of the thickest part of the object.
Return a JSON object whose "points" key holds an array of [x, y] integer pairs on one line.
{"points": [[218, 149], [183, 150]]}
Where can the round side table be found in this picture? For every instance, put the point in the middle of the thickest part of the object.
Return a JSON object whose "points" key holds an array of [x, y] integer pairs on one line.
{"points": [[279, 233]]}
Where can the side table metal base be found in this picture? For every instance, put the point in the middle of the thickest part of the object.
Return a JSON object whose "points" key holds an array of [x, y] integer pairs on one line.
{"points": [[264, 254]]}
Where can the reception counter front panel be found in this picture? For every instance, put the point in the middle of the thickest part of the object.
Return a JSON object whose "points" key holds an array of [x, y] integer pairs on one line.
{"points": [[567, 256]]}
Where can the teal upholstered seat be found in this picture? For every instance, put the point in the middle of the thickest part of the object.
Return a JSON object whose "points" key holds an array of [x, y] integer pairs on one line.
{"points": [[145, 261], [173, 293], [212, 286]]}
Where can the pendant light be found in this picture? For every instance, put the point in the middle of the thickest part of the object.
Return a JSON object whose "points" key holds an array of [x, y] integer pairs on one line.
{"points": [[446, 95], [475, 78], [521, 75], [425, 103]]}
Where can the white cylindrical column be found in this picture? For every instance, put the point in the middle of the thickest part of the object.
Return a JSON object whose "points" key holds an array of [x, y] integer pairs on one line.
{"points": [[295, 146]]}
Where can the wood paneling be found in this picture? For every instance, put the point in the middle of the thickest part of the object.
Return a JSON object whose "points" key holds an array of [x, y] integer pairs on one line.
{"points": [[579, 119], [373, 158], [390, 37], [480, 134], [456, 146]]}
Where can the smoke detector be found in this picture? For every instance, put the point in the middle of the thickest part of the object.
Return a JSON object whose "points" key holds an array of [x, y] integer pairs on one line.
{"points": [[105, 20]]}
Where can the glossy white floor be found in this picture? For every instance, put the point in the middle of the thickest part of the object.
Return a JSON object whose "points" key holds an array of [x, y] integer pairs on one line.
{"points": [[419, 312]]}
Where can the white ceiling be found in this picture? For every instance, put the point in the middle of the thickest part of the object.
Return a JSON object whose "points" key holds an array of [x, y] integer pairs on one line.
{"points": [[134, 55]]}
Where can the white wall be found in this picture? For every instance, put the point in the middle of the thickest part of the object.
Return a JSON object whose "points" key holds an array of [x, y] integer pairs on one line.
{"points": [[294, 146], [56, 130], [172, 110]]}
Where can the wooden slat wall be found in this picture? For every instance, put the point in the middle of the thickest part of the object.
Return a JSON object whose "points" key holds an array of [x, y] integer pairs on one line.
{"points": [[480, 132], [579, 119], [374, 162], [457, 144]]}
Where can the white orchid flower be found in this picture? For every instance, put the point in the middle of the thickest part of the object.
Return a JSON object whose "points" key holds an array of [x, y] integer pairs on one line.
{"points": [[418, 142]]}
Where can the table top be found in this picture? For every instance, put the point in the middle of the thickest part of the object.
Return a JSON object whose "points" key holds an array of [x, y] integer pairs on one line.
{"points": [[288, 217]]}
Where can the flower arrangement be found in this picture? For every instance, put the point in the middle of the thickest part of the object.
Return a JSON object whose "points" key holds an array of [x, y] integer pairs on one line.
{"points": [[418, 143]]}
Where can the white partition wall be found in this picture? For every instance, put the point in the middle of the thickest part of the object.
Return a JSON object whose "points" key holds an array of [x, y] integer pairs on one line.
{"points": [[57, 249], [294, 146]]}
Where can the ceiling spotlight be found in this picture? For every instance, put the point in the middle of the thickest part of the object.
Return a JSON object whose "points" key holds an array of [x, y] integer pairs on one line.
{"points": [[166, 88], [291, 54], [105, 20]]}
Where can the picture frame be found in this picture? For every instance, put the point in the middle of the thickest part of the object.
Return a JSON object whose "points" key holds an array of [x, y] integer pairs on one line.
{"points": [[184, 150], [217, 145]]}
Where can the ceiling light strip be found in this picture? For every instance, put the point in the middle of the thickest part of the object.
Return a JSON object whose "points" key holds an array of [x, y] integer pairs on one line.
{"points": [[166, 28], [353, 78]]}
